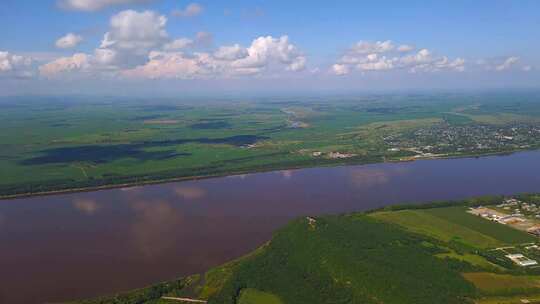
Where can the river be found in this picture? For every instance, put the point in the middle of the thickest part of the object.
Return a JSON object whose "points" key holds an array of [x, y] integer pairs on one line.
{"points": [[68, 246]]}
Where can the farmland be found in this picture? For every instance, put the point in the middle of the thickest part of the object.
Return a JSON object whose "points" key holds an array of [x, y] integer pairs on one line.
{"points": [[382, 256], [59, 144]]}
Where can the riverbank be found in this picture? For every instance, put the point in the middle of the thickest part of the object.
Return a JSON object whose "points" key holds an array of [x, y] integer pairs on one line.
{"points": [[342, 162]]}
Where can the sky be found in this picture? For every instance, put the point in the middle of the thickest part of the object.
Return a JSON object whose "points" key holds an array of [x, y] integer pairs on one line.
{"points": [[174, 47]]}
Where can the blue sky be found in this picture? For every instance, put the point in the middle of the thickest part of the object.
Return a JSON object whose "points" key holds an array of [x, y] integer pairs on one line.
{"points": [[339, 45]]}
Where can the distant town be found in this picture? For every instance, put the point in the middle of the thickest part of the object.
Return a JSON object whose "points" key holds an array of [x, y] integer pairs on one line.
{"points": [[444, 138]]}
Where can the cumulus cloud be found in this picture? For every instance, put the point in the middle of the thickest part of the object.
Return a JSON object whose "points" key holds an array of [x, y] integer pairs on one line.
{"points": [[178, 44], [135, 31], [77, 62], [127, 43], [164, 65], [264, 54], [138, 45], [17, 66], [70, 40], [501, 64], [191, 10], [366, 47], [94, 5], [507, 63], [340, 69], [368, 56], [405, 48], [265, 50], [232, 52]]}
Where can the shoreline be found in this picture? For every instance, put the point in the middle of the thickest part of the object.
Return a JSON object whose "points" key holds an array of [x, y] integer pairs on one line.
{"points": [[253, 171]]}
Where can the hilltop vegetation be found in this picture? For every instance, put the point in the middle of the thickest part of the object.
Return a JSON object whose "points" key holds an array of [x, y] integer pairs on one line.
{"points": [[434, 253], [56, 145]]}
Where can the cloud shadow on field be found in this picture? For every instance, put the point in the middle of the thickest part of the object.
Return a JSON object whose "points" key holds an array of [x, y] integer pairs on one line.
{"points": [[108, 153]]}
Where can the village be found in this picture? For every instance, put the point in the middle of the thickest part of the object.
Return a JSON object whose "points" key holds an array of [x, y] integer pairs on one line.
{"points": [[445, 138]]}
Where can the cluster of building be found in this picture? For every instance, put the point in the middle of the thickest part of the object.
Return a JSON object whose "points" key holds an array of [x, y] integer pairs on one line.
{"points": [[446, 138], [521, 215], [519, 207], [496, 216], [333, 155]]}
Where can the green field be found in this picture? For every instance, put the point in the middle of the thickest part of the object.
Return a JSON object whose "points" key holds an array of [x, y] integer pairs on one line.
{"points": [[454, 224], [55, 144], [429, 254]]}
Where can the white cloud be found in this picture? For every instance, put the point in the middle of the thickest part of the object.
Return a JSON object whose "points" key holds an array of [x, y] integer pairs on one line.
{"points": [[132, 35], [264, 54], [105, 57], [131, 30], [376, 63], [266, 50], [421, 57], [69, 41], [233, 52], [501, 64], [507, 64], [178, 44], [138, 45], [17, 66], [384, 56], [94, 5], [340, 69], [170, 65], [405, 48], [367, 47], [191, 10], [298, 64], [77, 62]]}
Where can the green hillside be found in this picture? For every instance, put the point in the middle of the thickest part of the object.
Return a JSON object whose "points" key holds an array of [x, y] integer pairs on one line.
{"points": [[420, 255]]}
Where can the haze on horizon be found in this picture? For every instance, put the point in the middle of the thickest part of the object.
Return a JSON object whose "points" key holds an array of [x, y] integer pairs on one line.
{"points": [[129, 47]]}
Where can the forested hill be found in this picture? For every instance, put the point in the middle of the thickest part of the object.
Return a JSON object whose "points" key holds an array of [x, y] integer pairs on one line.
{"points": [[438, 253]]}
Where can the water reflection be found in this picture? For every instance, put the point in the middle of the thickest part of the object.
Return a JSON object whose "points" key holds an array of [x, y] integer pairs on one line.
{"points": [[286, 174], [154, 226], [56, 248], [86, 206], [190, 192], [368, 177]]}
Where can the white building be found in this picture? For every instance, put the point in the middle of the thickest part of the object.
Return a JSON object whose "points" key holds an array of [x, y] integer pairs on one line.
{"points": [[521, 260]]}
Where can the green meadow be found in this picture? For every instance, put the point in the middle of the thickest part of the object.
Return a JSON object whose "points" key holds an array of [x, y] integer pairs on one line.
{"points": [[57, 144]]}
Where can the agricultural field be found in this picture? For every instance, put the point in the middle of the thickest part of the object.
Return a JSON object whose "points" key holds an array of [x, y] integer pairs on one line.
{"points": [[432, 253], [58, 144]]}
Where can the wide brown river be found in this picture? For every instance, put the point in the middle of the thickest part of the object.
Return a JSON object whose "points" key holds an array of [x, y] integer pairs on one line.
{"points": [[61, 247]]}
